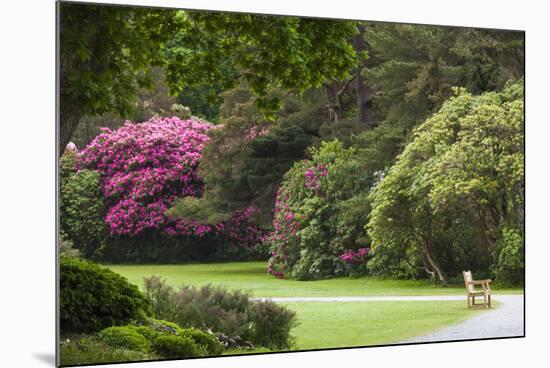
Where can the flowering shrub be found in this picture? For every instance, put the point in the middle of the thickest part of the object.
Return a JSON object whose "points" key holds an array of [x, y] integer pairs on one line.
{"points": [[313, 174], [351, 257], [320, 210], [145, 167], [356, 261]]}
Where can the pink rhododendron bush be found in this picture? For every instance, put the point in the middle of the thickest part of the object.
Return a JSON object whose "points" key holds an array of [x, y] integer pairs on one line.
{"points": [[144, 167], [320, 212]]}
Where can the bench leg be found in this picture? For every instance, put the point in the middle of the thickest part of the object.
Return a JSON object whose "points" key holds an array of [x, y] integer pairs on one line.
{"points": [[489, 296]]}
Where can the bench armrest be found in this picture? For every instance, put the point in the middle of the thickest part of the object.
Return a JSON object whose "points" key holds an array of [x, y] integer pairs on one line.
{"points": [[479, 282], [484, 284]]}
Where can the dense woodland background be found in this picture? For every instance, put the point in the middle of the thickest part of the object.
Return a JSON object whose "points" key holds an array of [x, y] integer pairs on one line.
{"points": [[331, 147]]}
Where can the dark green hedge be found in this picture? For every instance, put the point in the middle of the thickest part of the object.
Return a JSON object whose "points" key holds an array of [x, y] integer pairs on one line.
{"points": [[93, 297]]}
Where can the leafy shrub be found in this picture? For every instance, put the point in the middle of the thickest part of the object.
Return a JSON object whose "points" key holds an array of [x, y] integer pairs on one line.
{"points": [[208, 307], [204, 339], [272, 324], [320, 211], [93, 297], [144, 337], [125, 337], [89, 350], [154, 328], [170, 346], [510, 265], [232, 313], [161, 326], [81, 207], [161, 297]]}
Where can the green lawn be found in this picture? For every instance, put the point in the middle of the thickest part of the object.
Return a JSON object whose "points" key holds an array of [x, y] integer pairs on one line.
{"points": [[252, 277], [331, 325]]}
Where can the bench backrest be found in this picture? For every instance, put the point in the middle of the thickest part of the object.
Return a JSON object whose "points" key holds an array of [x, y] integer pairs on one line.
{"points": [[467, 279]]}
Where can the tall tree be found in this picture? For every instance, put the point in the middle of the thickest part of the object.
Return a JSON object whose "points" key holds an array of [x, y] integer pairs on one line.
{"points": [[267, 52], [455, 189], [417, 66], [106, 54]]}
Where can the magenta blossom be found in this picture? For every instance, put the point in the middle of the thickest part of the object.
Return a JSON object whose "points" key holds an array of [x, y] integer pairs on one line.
{"points": [[144, 167], [359, 256]]}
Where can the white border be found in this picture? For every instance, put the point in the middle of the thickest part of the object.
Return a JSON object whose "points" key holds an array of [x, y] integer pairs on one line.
{"points": [[27, 181]]}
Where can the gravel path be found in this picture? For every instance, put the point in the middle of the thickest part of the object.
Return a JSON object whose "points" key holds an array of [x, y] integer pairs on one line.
{"points": [[504, 321]]}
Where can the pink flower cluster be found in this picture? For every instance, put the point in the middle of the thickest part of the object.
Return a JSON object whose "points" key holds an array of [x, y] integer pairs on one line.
{"points": [[285, 226], [359, 256], [313, 174], [145, 166]]}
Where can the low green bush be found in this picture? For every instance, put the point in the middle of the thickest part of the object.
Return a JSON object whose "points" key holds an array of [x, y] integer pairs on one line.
{"points": [[272, 324], [208, 307], [208, 341], [232, 313], [125, 337], [144, 336], [93, 297], [89, 350], [171, 346]]}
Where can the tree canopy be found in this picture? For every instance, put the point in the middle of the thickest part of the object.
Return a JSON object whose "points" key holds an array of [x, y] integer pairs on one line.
{"points": [[454, 190], [106, 54]]}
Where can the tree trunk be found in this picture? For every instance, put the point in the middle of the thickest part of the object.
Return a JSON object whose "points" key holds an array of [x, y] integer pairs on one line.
{"points": [[334, 105], [434, 265], [69, 104], [68, 121], [364, 114]]}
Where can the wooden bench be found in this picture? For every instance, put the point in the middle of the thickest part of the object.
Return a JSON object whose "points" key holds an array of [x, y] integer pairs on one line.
{"points": [[471, 291]]}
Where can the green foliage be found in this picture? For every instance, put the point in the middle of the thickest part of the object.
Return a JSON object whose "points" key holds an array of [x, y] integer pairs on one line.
{"points": [[414, 68], [150, 102], [94, 297], [211, 48], [321, 208], [441, 205], [510, 265], [207, 341], [246, 158], [213, 307], [106, 54], [88, 350], [207, 307], [165, 338], [107, 51], [170, 346], [154, 328], [272, 325], [82, 211], [124, 337], [161, 297]]}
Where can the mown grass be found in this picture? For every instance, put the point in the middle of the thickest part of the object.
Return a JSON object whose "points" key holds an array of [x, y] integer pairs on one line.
{"points": [[346, 324], [252, 277]]}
